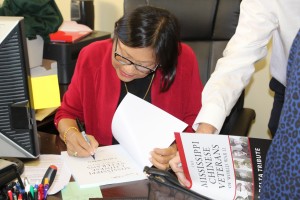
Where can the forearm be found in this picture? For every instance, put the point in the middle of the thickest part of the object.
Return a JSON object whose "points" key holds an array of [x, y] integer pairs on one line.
{"points": [[65, 128], [205, 128]]}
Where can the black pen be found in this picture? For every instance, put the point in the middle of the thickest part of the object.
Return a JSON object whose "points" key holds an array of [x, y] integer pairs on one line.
{"points": [[82, 131]]}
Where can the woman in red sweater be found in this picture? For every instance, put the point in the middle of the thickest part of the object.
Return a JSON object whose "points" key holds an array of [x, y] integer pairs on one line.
{"points": [[145, 58]]}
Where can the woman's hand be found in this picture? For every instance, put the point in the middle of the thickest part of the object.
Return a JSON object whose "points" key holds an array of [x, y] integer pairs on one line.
{"points": [[75, 142], [176, 166], [160, 157], [77, 146]]}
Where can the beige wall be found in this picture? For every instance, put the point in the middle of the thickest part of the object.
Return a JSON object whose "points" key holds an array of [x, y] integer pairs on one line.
{"points": [[258, 95], [106, 12]]}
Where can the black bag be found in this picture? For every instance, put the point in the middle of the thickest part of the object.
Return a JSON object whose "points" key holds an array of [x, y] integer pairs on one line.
{"points": [[165, 185]]}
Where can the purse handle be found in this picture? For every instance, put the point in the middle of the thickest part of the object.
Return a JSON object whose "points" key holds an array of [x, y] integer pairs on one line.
{"points": [[170, 180]]}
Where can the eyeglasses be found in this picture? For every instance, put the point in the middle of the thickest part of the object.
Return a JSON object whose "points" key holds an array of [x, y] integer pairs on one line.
{"points": [[125, 61]]}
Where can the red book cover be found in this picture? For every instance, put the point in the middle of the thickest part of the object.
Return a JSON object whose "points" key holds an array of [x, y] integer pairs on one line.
{"points": [[70, 31], [68, 36], [231, 165]]}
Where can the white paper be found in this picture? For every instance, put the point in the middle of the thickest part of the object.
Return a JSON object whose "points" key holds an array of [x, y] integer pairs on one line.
{"points": [[73, 26], [35, 170], [140, 127], [111, 165]]}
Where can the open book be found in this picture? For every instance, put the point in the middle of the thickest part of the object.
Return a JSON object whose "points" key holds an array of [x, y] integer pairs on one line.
{"points": [[139, 127], [222, 166]]}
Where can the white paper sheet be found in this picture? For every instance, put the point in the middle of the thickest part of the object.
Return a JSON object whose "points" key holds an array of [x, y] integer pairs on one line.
{"points": [[111, 165], [140, 127], [35, 170]]}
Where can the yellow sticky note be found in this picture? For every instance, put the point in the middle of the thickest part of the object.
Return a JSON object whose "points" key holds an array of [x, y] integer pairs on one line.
{"points": [[44, 87]]}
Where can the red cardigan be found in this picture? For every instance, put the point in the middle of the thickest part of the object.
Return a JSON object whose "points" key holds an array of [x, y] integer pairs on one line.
{"points": [[94, 91]]}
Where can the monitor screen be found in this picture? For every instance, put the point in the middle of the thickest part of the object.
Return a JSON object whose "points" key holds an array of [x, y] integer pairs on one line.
{"points": [[18, 130]]}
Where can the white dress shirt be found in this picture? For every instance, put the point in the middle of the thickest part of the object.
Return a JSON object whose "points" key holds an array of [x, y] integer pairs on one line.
{"points": [[259, 21]]}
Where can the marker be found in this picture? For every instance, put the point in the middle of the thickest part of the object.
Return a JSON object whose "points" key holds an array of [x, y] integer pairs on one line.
{"points": [[82, 131], [10, 195], [32, 191], [27, 192], [15, 196], [35, 197], [50, 175], [41, 192], [46, 188], [26, 182]]}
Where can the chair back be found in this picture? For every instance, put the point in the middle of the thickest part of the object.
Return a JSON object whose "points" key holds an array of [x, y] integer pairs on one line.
{"points": [[206, 26]]}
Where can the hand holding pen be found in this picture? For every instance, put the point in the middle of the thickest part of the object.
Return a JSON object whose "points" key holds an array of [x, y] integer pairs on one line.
{"points": [[82, 131]]}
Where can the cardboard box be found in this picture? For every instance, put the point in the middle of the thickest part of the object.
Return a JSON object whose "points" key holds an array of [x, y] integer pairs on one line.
{"points": [[44, 85], [35, 51]]}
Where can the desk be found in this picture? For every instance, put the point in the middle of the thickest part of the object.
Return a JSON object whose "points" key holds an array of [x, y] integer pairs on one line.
{"points": [[52, 144]]}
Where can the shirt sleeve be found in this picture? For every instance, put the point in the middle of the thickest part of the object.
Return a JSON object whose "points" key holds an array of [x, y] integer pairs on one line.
{"points": [[234, 71], [71, 106]]}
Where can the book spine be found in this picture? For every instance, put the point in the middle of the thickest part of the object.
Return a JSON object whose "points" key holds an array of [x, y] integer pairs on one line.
{"points": [[259, 149], [183, 158]]}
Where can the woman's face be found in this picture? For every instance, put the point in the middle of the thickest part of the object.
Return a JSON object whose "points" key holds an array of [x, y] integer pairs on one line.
{"points": [[132, 63]]}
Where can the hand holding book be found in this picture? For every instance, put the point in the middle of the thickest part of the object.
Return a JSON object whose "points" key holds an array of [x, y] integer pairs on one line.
{"points": [[160, 157], [176, 166], [220, 162]]}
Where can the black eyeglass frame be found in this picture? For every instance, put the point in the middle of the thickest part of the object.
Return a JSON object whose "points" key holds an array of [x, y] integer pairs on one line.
{"points": [[132, 63]]}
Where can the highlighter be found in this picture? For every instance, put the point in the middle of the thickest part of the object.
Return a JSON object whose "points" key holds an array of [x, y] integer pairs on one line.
{"points": [[50, 175], [46, 188]]}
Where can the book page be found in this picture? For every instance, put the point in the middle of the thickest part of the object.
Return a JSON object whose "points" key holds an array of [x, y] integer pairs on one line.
{"points": [[140, 127], [111, 165]]}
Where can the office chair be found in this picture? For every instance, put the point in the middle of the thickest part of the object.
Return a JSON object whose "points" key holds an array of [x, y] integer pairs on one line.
{"points": [[207, 26]]}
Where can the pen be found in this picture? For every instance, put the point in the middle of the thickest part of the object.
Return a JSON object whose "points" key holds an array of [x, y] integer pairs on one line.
{"points": [[81, 129]]}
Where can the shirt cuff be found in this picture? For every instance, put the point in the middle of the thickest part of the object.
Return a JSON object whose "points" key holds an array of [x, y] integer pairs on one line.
{"points": [[210, 114]]}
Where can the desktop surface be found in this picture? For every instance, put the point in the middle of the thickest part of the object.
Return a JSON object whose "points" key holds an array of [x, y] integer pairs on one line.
{"points": [[52, 144]]}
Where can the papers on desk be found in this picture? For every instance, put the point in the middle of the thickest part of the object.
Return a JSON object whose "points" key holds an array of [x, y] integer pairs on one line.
{"points": [[111, 165], [139, 127], [35, 170]]}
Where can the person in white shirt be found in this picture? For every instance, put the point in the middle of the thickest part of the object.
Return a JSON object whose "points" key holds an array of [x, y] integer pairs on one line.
{"points": [[259, 21]]}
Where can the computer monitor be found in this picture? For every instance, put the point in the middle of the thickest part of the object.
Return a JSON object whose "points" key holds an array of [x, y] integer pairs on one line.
{"points": [[18, 130]]}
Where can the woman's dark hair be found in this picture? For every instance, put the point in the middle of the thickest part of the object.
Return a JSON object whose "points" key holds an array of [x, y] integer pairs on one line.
{"points": [[148, 26]]}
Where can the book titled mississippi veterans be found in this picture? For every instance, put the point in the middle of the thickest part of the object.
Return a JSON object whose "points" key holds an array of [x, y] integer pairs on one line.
{"points": [[223, 166]]}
